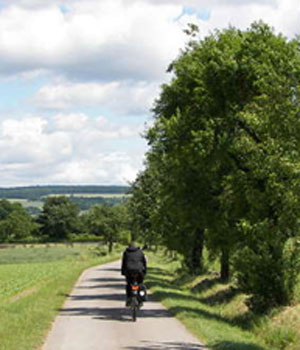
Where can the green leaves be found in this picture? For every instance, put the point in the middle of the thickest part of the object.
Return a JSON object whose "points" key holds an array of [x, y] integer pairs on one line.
{"points": [[59, 218], [224, 149], [107, 222], [15, 223]]}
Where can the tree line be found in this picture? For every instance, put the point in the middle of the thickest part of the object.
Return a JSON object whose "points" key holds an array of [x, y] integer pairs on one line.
{"points": [[222, 170], [62, 221]]}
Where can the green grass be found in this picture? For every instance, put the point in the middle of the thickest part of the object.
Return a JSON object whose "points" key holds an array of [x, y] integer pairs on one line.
{"points": [[39, 254], [35, 281], [216, 312], [33, 285]]}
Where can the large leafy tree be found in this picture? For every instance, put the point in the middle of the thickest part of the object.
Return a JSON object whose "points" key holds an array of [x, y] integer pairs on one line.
{"points": [[59, 218], [107, 222], [15, 223], [226, 143]]}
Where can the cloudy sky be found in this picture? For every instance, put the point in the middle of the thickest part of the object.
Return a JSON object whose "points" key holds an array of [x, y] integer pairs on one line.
{"points": [[78, 79]]}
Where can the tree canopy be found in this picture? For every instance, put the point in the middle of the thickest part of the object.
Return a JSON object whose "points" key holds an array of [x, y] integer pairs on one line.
{"points": [[225, 150], [59, 218], [15, 223], [107, 222]]}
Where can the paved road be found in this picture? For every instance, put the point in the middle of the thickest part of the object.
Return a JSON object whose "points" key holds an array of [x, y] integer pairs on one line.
{"points": [[94, 317]]}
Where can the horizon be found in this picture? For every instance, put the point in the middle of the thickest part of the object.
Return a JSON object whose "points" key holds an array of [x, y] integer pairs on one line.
{"points": [[68, 185]]}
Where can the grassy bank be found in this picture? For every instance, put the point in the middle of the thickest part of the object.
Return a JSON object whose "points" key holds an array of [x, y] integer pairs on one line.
{"points": [[33, 286], [216, 312]]}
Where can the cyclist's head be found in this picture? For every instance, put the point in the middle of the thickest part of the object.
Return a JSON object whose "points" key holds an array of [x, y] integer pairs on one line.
{"points": [[132, 244]]}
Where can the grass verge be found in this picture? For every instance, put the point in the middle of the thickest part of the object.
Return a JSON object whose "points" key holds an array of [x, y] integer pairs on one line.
{"points": [[216, 312], [32, 292]]}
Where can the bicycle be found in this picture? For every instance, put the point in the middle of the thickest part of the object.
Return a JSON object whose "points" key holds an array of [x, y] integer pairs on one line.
{"points": [[137, 296]]}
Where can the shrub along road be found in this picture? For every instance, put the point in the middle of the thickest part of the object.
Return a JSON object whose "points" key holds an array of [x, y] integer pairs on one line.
{"points": [[94, 317]]}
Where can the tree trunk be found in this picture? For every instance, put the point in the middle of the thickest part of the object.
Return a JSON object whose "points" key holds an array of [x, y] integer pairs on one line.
{"points": [[110, 246], [224, 264], [195, 260]]}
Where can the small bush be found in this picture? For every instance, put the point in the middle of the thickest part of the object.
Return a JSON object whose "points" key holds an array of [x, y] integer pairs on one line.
{"points": [[279, 337], [267, 268]]}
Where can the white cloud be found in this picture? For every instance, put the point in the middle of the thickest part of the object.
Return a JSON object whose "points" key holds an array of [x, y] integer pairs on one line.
{"points": [[115, 168], [203, 3], [121, 97], [283, 15], [24, 141], [121, 39], [94, 40], [68, 148], [210, 3]]}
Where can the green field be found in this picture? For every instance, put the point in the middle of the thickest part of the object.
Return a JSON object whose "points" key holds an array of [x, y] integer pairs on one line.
{"points": [[33, 285]]}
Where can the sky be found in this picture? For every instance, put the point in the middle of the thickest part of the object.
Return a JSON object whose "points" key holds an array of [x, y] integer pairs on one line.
{"points": [[78, 79]]}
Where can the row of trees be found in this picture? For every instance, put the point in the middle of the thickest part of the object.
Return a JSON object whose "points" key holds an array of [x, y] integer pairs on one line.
{"points": [[223, 166], [61, 220]]}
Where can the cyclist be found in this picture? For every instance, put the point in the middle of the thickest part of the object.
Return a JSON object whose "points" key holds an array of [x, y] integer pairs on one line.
{"points": [[134, 265]]}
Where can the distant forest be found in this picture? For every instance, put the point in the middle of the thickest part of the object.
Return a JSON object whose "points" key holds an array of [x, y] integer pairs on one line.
{"points": [[37, 192]]}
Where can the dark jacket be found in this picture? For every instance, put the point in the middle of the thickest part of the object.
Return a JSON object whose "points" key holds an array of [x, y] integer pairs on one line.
{"points": [[133, 260]]}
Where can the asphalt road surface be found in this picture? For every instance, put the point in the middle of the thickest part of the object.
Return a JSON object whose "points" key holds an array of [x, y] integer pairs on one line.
{"points": [[94, 317]]}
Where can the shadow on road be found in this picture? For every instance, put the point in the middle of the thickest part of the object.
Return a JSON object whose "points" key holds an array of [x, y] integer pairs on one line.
{"points": [[116, 297], [116, 283], [226, 345], [110, 269], [166, 346], [110, 296], [98, 286], [112, 314], [106, 279]]}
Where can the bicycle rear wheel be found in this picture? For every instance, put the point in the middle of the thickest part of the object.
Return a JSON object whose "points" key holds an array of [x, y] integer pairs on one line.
{"points": [[134, 314], [134, 308]]}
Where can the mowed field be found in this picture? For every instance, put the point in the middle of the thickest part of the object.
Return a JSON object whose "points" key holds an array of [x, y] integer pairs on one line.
{"points": [[33, 285]]}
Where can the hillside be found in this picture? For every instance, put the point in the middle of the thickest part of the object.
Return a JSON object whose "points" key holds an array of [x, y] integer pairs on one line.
{"points": [[32, 197], [37, 192]]}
